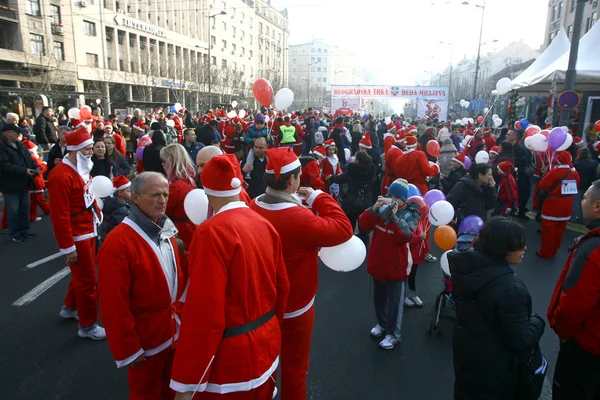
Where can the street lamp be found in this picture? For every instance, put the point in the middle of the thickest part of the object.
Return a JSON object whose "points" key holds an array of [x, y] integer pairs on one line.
{"points": [[210, 59], [466, 3]]}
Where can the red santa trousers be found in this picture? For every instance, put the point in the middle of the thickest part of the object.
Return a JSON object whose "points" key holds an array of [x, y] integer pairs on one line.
{"points": [[150, 379], [81, 294], [4, 223], [552, 234], [38, 199], [295, 353], [263, 392], [536, 196]]}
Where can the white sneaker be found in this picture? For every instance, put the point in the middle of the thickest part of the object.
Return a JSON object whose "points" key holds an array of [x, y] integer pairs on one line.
{"points": [[275, 392], [96, 333], [377, 331], [38, 219], [408, 302], [416, 301], [389, 342], [67, 313]]}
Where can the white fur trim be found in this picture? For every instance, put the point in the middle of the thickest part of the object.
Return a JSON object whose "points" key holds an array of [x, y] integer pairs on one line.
{"points": [[125, 186], [286, 168], [222, 193], [313, 197], [80, 145]]}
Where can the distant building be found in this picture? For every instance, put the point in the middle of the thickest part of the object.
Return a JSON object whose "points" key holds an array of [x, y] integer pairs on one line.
{"points": [[562, 13]]}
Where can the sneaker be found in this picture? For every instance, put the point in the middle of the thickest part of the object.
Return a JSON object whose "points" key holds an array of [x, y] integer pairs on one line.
{"points": [[389, 342], [68, 313], [408, 302], [17, 239], [416, 301], [275, 391], [377, 331], [38, 219], [95, 332], [29, 236], [430, 258]]}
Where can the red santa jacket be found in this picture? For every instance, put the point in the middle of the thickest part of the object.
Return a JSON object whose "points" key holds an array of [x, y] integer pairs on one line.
{"points": [[508, 190], [391, 158], [474, 144], [330, 167], [417, 245], [175, 211], [39, 185], [299, 139], [120, 144], [573, 311], [237, 276], [389, 257], [311, 175], [558, 207], [388, 141], [414, 167], [74, 212], [302, 234], [489, 142], [138, 302]]}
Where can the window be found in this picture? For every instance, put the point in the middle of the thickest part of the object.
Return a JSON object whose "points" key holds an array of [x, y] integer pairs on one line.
{"points": [[234, 65], [59, 51], [37, 44], [251, 38], [243, 51], [319, 50], [267, 31], [120, 37], [92, 59], [224, 44], [109, 63], [260, 26], [55, 11], [570, 31], [224, 26], [319, 69], [294, 61], [132, 66], [250, 53], [250, 22], [554, 10], [234, 47], [588, 25], [213, 41], [550, 37], [121, 65], [213, 60], [573, 4], [594, 18], [89, 28], [560, 9], [33, 7], [312, 59], [224, 63], [319, 59]]}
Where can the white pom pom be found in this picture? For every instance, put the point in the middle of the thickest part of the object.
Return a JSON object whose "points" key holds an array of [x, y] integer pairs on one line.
{"points": [[235, 183]]}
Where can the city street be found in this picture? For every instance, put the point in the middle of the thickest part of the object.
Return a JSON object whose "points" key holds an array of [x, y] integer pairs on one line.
{"points": [[44, 359]]}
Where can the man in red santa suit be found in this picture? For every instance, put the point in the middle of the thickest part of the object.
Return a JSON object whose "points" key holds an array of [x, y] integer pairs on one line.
{"points": [[303, 231], [75, 216], [389, 137], [391, 157], [311, 168], [561, 183], [139, 286], [230, 335], [36, 195], [179, 125]]}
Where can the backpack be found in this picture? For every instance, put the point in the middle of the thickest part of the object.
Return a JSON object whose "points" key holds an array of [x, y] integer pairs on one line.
{"points": [[319, 139], [464, 242]]}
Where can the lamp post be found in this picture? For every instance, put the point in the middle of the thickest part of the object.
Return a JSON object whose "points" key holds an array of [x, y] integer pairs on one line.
{"points": [[478, 47], [223, 12]]}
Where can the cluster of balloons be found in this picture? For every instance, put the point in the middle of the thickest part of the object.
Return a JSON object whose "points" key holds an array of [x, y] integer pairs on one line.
{"points": [[263, 92], [556, 139], [497, 120], [470, 225], [522, 124], [464, 103], [345, 257]]}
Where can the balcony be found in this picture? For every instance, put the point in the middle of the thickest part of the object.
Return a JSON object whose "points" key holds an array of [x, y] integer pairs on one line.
{"points": [[8, 14]]}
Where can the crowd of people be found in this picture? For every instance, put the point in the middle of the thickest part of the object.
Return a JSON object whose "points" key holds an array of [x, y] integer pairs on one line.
{"points": [[237, 292]]}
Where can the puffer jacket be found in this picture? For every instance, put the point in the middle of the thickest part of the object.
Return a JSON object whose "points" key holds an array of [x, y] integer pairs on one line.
{"points": [[494, 326], [114, 212], [469, 198], [253, 133]]}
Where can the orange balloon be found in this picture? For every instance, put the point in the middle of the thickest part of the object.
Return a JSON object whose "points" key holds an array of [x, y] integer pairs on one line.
{"points": [[445, 237]]}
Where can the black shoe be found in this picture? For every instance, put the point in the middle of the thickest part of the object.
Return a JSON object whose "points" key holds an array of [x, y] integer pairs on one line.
{"points": [[522, 216], [18, 239], [29, 236]]}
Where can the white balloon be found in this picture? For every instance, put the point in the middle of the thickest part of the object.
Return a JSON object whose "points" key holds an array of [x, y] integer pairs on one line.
{"points": [[471, 120], [498, 122], [568, 142], [495, 116], [467, 104], [482, 157], [462, 102], [441, 213], [345, 257], [565, 128], [527, 142], [231, 114], [61, 109], [283, 98], [503, 86], [196, 206], [73, 113], [486, 110], [101, 186], [539, 142], [267, 119], [242, 113], [178, 106], [465, 121], [171, 123], [347, 154], [234, 104], [100, 203], [388, 120], [458, 121], [444, 264], [494, 92]]}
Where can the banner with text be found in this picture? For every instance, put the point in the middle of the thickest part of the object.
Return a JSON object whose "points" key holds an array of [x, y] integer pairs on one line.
{"points": [[432, 108], [384, 91], [340, 102]]}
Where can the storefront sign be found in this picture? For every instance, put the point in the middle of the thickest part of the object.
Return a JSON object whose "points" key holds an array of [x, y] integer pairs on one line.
{"points": [[130, 22]]}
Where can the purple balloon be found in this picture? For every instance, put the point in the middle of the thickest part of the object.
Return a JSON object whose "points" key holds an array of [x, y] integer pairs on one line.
{"points": [[471, 224], [467, 163], [433, 196], [556, 138], [139, 153]]}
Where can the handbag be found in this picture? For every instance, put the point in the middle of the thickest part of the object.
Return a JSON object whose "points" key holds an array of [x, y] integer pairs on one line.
{"points": [[531, 375], [356, 201]]}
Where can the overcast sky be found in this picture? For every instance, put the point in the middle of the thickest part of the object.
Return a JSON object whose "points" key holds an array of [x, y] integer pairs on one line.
{"points": [[397, 38]]}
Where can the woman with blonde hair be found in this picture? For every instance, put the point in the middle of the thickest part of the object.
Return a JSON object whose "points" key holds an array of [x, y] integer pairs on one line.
{"points": [[180, 173]]}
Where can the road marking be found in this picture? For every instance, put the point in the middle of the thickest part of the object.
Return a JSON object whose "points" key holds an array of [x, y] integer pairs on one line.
{"points": [[44, 260], [41, 288]]}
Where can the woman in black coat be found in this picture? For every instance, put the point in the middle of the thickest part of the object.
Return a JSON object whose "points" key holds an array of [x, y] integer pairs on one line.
{"points": [[494, 322], [152, 160], [474, 194], [102, 164]]}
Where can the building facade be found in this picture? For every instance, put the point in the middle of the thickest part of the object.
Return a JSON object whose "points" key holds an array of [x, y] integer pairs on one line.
{"points": [[138, 52], [561, 13]]}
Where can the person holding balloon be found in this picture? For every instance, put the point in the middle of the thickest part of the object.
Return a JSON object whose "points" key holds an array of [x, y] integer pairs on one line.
{"points": [[393, 222]]}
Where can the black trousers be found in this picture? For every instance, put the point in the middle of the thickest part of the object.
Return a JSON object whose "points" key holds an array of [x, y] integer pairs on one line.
{"points": [[524, 186], [388, 298], [353, 218], [412, 278], [577, 374]]}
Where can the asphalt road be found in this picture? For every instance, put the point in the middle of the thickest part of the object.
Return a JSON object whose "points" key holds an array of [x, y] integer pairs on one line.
{"points": [[44, 359]]}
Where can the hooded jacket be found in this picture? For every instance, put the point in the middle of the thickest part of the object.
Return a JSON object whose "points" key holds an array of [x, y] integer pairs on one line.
{"points": [[469, 198], [494, 326], [114, 211], [358, 177], [253, 133], [453, 178], [152, 160]]}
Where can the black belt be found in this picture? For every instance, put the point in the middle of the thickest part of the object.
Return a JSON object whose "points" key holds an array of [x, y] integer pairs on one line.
{"points": [[180, 219], [81, 212], [249, 327]]}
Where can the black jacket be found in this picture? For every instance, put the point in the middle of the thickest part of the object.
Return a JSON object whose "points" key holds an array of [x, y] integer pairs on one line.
{"points": [[494, 326], [469, 198], [44, 130], [452, 179], [152, 160], [523, 158], [359, 178], [256, 183], [205, 134], [114, 212], [503, 156], [588, 173], [14, 163], [55, 152], [105, 167]]}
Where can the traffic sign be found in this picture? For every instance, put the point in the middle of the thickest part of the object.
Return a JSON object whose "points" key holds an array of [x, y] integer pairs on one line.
{"points": [[568, 100]]}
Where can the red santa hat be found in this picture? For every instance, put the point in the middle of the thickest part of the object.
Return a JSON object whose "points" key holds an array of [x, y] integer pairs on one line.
{"points": [[412, 129], [222, 176], [78, 139], [411, 141], [506, 167], [578, 141], [390, 126], [281, 161], [564, 158], [486, 130], [140, 126], [459, 158], [320, 151], [366, 141], [494, 150], [468, 132], [121, 183], [400, 136], [32, 147], [230, 130], [329, 143], [181, 111]]}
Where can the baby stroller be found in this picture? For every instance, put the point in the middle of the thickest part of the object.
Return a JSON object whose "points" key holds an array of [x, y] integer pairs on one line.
{"points": [[444, 302]]}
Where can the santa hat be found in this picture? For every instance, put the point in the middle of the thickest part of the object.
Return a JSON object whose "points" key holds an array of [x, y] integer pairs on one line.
{"points": [[578, 141], [411, 141], [390, 126], [468, 133], [181, 111], [140, 126], [506, 167], [486, 130], [121, 183], [78, 139], [32, 147], [400, 137], [459, 158], [366, 141], [320, 151], [564, 158], [329, 143], [222, 176], [230, 130], [412, 129], [281, 161], [494, 150]]}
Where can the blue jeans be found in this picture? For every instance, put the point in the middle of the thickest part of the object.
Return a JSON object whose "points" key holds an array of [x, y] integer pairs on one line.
{"points": [[17, 213]]}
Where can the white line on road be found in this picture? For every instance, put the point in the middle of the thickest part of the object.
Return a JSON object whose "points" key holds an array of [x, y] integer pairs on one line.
{"points": [[44, 260], [41, 288]]}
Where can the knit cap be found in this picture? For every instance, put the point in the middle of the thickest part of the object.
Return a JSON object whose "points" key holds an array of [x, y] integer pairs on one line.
{"points": [[399, 188]]}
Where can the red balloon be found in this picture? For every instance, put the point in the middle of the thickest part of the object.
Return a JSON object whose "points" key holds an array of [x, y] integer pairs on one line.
{"points": [[85, 113], [545, 132], [263, 92], [518, 125], [433, 148], [479, 120], [532, 130], [597, 126], [423, 207]]}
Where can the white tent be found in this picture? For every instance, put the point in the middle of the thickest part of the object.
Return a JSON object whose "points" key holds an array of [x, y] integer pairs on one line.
{"points": [[587, 67]]}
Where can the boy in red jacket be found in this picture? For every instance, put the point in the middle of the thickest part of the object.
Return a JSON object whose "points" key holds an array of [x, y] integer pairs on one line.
{"points": [[508, 192], [390, 260]]}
